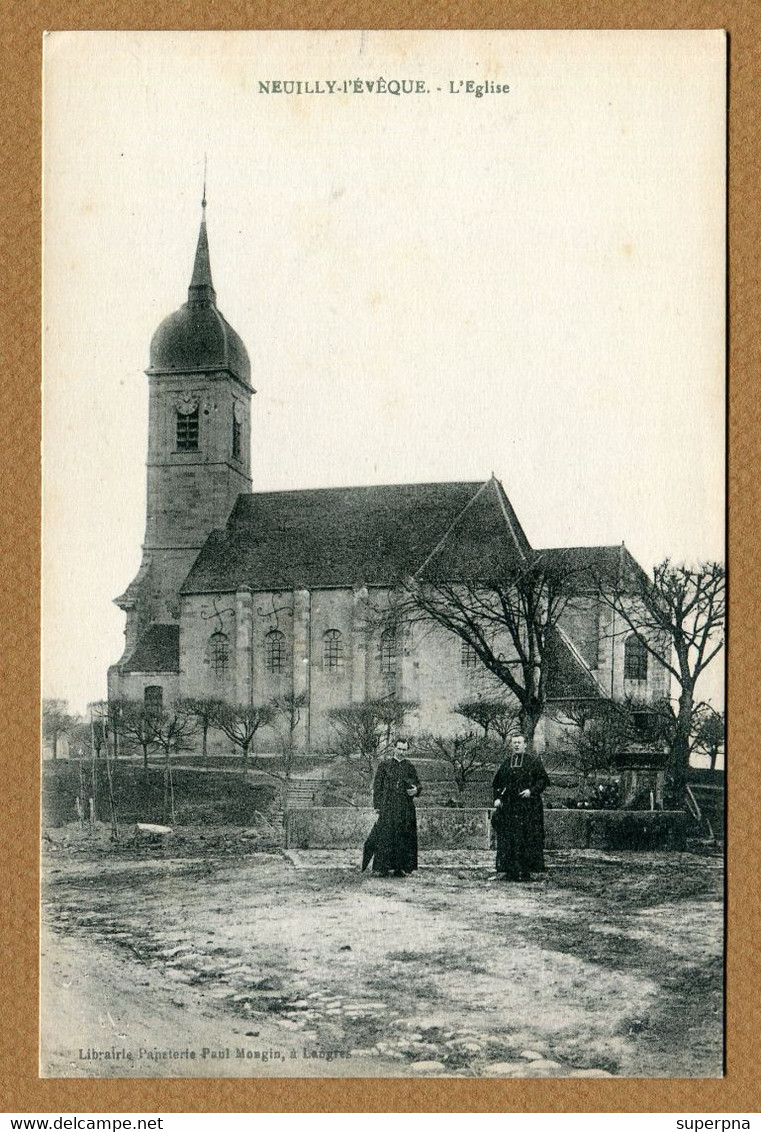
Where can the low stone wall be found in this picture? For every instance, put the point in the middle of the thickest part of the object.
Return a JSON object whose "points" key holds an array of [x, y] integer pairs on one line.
{"points": [[337, 827]]}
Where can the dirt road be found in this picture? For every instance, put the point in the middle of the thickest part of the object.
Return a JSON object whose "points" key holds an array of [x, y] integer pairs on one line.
{"points": [[297, 964]]}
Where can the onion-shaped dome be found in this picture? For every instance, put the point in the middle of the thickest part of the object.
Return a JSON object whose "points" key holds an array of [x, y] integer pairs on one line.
{"points": [[197, 337]]}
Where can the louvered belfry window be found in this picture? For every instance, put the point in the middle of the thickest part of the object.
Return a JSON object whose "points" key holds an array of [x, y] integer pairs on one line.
{"points": [[187, 431]]}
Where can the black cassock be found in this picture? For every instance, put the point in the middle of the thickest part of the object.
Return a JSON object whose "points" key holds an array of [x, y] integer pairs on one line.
{"points": [[519, 822], [392, 844]]}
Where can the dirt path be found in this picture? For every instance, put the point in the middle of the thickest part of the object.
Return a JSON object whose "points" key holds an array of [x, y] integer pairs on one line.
{"points": [[610, 965]]}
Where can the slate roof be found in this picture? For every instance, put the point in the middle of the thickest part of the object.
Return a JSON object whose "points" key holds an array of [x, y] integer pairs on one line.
{"points": [[197, 337], [568, 675], [583, 566], [158, 650], [342, 537], [358, 535]]}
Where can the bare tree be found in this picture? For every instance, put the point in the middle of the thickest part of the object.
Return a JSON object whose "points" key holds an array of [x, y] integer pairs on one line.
{"points": [[286, 711], [364, 731], [498, 716], [104, 738], [601, 730], [509, 620], [57, 721], [205, 710], [132, 721], [171, 729], [88, 740], [708, 732], [240, 723], [104, 726], [678, 617], [466, 755]]}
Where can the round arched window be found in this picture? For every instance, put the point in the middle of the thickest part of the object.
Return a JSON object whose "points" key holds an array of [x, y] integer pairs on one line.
{"points": [[332, 650], [275, 653], [635, 659]]}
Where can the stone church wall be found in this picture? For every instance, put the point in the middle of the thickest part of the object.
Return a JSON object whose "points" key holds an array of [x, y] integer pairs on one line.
{"points": [[437, 679], [431, 668], [331, 687], [132, 685], [201, 617], [190, 493]]}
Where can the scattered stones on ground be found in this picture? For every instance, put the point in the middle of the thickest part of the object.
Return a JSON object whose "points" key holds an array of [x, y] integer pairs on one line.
{"points": [[466, 1045], [503, 1068], [589, 1073], [534, 1069], [428, 1067]]}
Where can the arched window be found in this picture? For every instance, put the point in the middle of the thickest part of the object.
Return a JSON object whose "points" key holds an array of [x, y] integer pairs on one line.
{"points": [[219, 654], [332, 650], [635, 659], [468, 656], [275, 653], [388, 653], [153, 699], [187, 431]]}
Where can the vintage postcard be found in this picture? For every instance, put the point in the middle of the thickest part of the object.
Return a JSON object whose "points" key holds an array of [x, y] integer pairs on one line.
{"points": [[383, 574]]}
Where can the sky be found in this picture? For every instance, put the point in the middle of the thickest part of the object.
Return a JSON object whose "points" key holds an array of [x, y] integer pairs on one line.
{"points": [[431, 286]]}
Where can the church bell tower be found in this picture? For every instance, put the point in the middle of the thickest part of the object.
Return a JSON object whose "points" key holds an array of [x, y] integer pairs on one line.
{"points": [[199, 444]]}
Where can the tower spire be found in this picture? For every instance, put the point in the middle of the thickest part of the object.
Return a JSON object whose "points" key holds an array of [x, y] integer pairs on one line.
{"points": [[201, 292]]}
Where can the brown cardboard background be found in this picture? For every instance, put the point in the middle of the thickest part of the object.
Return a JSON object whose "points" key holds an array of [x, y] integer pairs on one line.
{"points": [[20, 52]]}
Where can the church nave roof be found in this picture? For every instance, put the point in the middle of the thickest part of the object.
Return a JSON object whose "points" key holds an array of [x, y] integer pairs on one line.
{"points": [[359, 535]]}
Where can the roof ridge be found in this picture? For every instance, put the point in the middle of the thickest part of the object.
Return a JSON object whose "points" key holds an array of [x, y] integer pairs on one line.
{"points": [[363, 487], [452, 526], [373, 534], [595, 546], [498, 487], [577, 656]]}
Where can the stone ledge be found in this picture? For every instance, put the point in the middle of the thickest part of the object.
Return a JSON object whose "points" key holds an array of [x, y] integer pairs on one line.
{"points": [[336, 827]]}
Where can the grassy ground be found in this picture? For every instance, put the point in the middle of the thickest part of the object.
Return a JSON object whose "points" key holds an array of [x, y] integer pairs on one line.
{"points": [[296, 963]]}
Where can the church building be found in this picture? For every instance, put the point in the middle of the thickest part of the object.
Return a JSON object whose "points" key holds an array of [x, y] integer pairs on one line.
{"points": [[244, 595]]}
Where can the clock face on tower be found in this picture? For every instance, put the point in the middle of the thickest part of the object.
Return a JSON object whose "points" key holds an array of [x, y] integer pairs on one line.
{"points": [[187, 403]]}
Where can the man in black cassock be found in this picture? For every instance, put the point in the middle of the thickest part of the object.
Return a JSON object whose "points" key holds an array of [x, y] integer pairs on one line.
{"points": [[392, 844], [518, 812]]}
